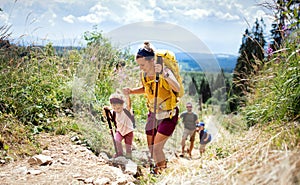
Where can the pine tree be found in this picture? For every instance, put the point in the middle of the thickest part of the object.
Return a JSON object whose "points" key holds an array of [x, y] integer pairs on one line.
{"points": [[287, 19], [193, 87], [205, 90], [248, 63]]}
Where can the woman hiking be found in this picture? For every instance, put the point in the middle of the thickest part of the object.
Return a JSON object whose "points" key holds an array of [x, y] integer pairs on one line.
{"points": [[162, 110]]}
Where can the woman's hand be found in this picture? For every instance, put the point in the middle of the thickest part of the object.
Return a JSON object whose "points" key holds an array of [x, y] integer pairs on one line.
{"points": [[171, 79], [158, 68], [126, 91]]}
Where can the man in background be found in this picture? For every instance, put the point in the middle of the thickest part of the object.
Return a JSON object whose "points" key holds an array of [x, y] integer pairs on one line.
{"points": [[189, 120]]}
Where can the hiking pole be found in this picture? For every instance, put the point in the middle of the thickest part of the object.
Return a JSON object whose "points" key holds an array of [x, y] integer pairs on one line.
{"points": [[159, 61], [108, 118]]}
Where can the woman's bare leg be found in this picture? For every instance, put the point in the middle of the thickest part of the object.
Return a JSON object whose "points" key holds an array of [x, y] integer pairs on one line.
{"points": [[159, 143]]}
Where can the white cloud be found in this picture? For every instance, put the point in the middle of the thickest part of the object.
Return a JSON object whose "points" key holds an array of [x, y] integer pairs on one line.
{"points": [[197, 13], [97, 14], [29, 3], [152, 3], [66, 1], [227, 16], [204, 18], [47, 16], [69, 18], [51, 22], [161, 14], [137, 11], [4, 18], [91, 18], [126, 12]]}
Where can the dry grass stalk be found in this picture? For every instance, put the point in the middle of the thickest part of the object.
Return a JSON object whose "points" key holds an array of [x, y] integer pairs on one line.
{"points": [[254, 162]]}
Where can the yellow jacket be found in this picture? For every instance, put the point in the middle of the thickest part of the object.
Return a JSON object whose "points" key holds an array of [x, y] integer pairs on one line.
{"points": [[166, 99]]}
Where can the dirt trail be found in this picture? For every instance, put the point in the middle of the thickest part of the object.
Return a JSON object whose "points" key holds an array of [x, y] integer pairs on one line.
{"points": [[75, 164], [72, 164], [194, 170]]}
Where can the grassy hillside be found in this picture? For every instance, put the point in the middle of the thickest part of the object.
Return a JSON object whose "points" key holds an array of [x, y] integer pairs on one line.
{"points": [[42, 91], [260, 144], [275, 95]]}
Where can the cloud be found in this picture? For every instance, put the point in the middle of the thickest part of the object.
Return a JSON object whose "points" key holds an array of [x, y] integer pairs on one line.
{"points": [[4, 18], [69, 18], [137, 11], [197, 13], [227, 16], [204, 18], [66, 1], [97, 14], [126, 12], [51, 22], [47, 3], [48, 15]]}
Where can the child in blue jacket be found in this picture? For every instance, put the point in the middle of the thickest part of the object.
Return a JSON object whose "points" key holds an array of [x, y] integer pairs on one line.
{"points": [[204, 136]]}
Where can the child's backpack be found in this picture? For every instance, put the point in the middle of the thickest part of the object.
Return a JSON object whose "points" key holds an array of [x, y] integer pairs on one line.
{"points": [[128, 113], [170, 62], [131, 116]]}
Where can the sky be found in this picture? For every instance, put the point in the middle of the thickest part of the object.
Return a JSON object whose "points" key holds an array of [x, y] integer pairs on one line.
{"points": [[218, 24]]}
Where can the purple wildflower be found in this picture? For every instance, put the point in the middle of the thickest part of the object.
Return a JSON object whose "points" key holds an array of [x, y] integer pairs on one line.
{"points": [[93, 58], [270, 51], [284, 28]]}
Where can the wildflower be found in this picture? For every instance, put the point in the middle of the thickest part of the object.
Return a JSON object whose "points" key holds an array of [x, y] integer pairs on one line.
{"points": [[93, 58], [284, 28], [270, 51]]}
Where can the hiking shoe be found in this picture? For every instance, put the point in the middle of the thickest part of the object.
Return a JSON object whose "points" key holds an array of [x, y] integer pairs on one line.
{"points": [[154, 170], [181, 155], [157, 170]]}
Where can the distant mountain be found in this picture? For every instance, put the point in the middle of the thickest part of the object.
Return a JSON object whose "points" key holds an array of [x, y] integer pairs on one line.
{"points": [[227, 62], [206, 62], [27, 40], [187, 61]]}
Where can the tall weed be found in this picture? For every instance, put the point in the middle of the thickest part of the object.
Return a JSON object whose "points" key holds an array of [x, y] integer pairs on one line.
{"points": [[276, 92]]}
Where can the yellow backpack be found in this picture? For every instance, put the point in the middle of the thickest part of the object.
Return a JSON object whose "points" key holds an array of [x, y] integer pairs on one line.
{"points": [[170, 62]]}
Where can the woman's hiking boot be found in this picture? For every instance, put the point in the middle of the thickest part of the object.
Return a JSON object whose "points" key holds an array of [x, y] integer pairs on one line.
{"points": [[159, 167]]}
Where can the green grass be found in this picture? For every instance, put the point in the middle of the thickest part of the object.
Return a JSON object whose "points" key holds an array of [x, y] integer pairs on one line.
{"points": [[38, 94], [275, 95]]}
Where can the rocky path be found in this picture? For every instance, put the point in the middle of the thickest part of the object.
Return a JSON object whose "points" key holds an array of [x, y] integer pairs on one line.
{"points": [[68, 164], [65, 162]]}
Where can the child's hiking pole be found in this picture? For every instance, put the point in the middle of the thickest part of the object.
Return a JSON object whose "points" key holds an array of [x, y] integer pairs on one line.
{"points": [[109, 118], [159, 61]]}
